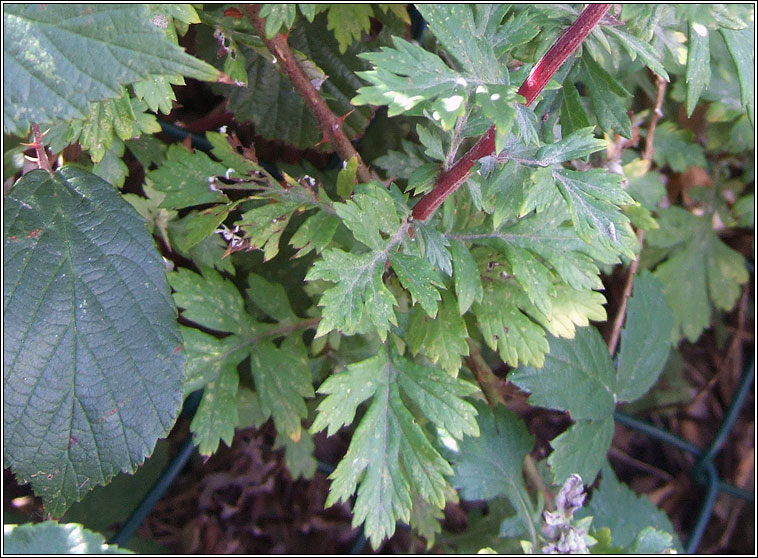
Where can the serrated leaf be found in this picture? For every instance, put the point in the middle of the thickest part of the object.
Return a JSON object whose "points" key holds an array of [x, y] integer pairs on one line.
{"points": [[404, 76], [88, 52], [90, 332], [434, 246], [210, 300], [298, 456], [389, 445], [741, 45], [157, 92], [573, 114], [202, 224], [582, 450], [676, 148], [506, 329], [315, 233], [443, 338], [439, 396], [207, 355], [282, 381], [636, 47], [264, 225], [645, 339], [349, 22], [577, 376], [491, 464], [346, 178], [358, 292], [607, 98], [270, 297], [614, 505], [216, 416], [187, 178], [698, 64], [369, 213], [578, 144], [593, 198], [419, 277], [652, 541], [468, 281], [466, 39], [269, 92], [278, 15], [572, 307], [700, 270], [51, 537]]}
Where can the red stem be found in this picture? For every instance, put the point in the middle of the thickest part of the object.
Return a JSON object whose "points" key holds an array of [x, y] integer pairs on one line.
{"points": [[449, 181]]}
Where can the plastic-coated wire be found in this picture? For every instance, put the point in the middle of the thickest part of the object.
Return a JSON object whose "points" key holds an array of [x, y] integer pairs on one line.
{"points": [[706, 509], [156, 492], [705, 471], [731, 415], [657, 433], [180, 133]]}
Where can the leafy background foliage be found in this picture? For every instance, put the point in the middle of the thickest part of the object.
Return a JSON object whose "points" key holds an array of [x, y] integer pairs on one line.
{"points": [[315, 304]]}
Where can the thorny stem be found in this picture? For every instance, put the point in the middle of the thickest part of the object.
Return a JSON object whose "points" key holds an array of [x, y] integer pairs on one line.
{"points": [[42, 161], [647, 156], [449, 181], [330, 125]]}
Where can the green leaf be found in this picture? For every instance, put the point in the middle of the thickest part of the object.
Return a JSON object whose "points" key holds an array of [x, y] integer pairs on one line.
{"points": [[216, 416], [467, 37], [506, 329], [93, 362], [389, 445], [676, 148], [572, 307], [369, 213], [497, 104], [277, 15], [434, 246], [491, 464], [419, 277], [698, 64], [741, 45], [577, 376], [607, 98], [270, 297], [346, 178], [573, 114], [265, 224], [187, 178], [349, 22], [578, 144], [645, 339], [468, 282], [277, 110], [582, 449], [406, 75], [207, 356], [616, 506], [315, 233], [652, 541], [593, 198], [700, 271], [87, 52], [210, 300], [282, 379], [299, 455], [636, 47], [442, 338], [51, 537], [358, 292]]}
